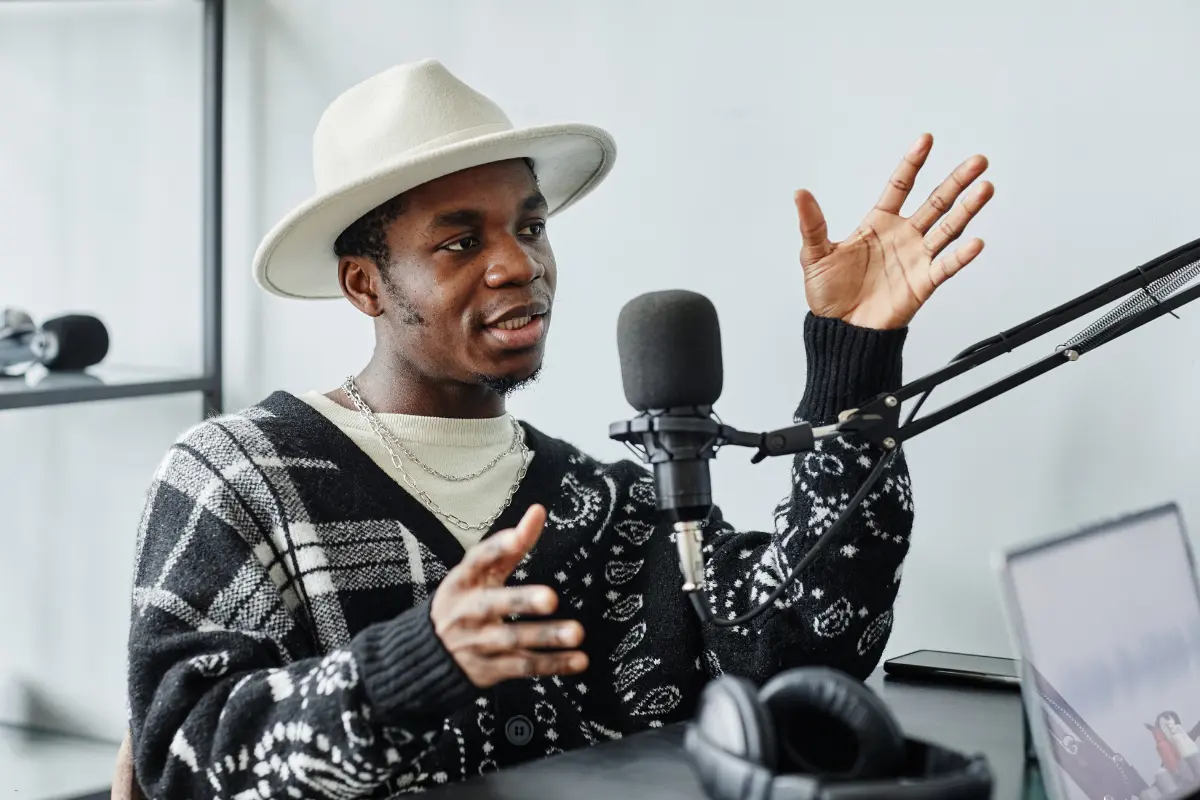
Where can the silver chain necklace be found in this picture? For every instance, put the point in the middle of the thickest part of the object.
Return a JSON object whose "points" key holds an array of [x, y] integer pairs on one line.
{"points": [[387, 439], [351, 391]]}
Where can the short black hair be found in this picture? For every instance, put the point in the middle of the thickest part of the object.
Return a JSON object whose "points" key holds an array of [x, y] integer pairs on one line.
{"points": [[366, 237]]}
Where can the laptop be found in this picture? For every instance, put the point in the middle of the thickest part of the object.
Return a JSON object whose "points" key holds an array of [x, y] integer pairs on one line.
{"points": [[1106, 625]]}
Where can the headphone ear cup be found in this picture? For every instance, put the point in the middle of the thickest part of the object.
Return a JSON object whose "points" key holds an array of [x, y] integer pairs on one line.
{"points": [[829, 724], [732, 719]]}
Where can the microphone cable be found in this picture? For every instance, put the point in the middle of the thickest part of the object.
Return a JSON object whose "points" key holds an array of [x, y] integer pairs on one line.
{"points": [[705, 612]]}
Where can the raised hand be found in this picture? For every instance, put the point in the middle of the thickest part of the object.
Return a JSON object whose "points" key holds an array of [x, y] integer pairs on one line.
{"points": [[884, 272], [471, 607]]}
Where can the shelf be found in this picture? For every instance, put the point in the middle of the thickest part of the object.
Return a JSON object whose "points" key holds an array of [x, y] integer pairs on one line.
{"points": [[97, 383], [47, 766], [106, 383]]}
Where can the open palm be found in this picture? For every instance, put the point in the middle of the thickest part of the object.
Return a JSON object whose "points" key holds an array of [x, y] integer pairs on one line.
{"points": [[885, 271]]}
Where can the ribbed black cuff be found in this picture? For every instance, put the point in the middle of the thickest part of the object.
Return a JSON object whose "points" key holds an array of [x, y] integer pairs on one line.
{"points": [[847, 366], [409, 676]]}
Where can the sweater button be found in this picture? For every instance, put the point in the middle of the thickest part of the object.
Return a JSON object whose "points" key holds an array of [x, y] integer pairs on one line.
{"points": [[518, 730]]}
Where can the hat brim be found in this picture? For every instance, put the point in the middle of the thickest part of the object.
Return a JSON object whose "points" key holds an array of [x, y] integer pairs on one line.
{"points": [[296, 258]]}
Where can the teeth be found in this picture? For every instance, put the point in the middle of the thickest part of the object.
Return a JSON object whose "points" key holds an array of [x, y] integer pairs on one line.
{"points": [[513, 324]]}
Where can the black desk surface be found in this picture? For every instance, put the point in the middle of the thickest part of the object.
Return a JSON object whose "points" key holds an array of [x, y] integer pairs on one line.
{"points": [[653, 764]]}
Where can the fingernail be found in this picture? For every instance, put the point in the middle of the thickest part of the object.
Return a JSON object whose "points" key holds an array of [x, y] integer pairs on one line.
{"points": [[579, 662]]}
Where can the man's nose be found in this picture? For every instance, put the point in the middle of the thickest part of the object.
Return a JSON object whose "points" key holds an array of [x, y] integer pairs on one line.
{"points": [[511, 264]]}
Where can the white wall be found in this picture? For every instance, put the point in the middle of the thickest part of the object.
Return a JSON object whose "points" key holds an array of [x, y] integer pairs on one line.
{"points": [[720, 112]]}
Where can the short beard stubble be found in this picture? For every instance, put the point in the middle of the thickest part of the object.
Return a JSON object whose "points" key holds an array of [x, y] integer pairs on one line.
{"points": [[506, 385]]}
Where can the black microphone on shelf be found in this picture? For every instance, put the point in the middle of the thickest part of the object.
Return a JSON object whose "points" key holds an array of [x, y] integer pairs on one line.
{"points": [[671, 368], [63, 344]]}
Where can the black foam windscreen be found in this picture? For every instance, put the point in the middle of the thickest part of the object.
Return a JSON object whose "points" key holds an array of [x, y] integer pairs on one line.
{"points": [[669, 344], [82, 341]]}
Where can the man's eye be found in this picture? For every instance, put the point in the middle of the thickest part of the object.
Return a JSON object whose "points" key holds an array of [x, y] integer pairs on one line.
{"points": [[533, 229], [462, 244]]}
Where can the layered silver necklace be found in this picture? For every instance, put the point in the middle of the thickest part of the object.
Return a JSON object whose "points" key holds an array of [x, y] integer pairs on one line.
{"points": [[389, 440]]}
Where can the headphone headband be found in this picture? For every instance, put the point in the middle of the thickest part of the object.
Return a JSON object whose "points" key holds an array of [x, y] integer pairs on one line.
{"points": [[735, 744], [934, 773]]}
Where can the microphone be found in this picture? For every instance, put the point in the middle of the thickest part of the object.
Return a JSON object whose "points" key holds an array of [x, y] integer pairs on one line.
{"points": [[68, 343], [670, 351], [669, 344]]}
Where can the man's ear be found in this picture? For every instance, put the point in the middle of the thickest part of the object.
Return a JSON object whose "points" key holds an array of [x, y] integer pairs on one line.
{"points": [[361, 283]]}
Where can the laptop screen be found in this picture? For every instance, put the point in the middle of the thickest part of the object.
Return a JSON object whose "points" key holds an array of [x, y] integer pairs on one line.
{"points": [[1109, 623]]}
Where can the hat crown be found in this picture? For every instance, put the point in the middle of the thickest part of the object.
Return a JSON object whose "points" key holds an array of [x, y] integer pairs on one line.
{"points": [[398, 114]]}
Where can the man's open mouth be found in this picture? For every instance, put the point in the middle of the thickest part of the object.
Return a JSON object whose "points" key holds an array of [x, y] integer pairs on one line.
{"points": [[519, 328], [515, 323]]}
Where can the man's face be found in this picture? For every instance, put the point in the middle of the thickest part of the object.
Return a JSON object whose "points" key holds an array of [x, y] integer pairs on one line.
{"points": [[468, 291]]}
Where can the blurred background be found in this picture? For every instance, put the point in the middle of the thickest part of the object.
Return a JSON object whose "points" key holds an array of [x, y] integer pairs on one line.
{"points": [[720, 111]]}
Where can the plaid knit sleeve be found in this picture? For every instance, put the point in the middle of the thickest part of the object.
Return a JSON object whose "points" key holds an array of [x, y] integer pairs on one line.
{"points": [[228, 695], [838, 612]]}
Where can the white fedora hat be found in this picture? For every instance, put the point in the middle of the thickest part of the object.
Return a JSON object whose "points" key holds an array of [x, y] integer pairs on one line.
{"points": [[395, 131]]}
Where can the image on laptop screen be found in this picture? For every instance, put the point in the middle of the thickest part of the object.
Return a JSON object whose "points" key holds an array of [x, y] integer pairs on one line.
{"points": [[1108, 626]]}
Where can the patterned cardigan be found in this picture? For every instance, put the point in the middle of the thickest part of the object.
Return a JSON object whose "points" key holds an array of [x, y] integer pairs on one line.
{"points": [[244, 684]]}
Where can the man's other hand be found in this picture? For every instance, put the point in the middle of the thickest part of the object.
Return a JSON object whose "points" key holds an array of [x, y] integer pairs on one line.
{"points": [[471, 607], [885, 271]]}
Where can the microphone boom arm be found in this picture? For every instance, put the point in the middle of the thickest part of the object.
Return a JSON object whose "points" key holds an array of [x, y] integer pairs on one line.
{"points": [[878, 420]]}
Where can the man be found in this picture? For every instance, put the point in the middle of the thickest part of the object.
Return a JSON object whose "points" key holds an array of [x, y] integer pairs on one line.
{"points": [[394, 584]]}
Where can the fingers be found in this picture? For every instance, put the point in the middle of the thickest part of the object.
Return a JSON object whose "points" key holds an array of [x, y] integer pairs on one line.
{"points": [[493, 560], [943, 197], [527, 664], [486, 671], [944, 267], [489, 650], [905, 175], [471, 605], [953, 224], [812, 228], [489, 605], [502, 638]]}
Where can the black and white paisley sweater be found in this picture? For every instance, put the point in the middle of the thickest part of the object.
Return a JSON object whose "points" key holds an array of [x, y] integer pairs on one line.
{"points": [[242, 686]]}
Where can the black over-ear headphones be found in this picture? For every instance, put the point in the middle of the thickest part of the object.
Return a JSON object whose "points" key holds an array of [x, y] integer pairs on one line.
{"points": [[815, 733]]}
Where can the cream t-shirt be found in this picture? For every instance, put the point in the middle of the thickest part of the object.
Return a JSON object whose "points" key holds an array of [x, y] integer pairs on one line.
{"points": [[451, 446]]}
